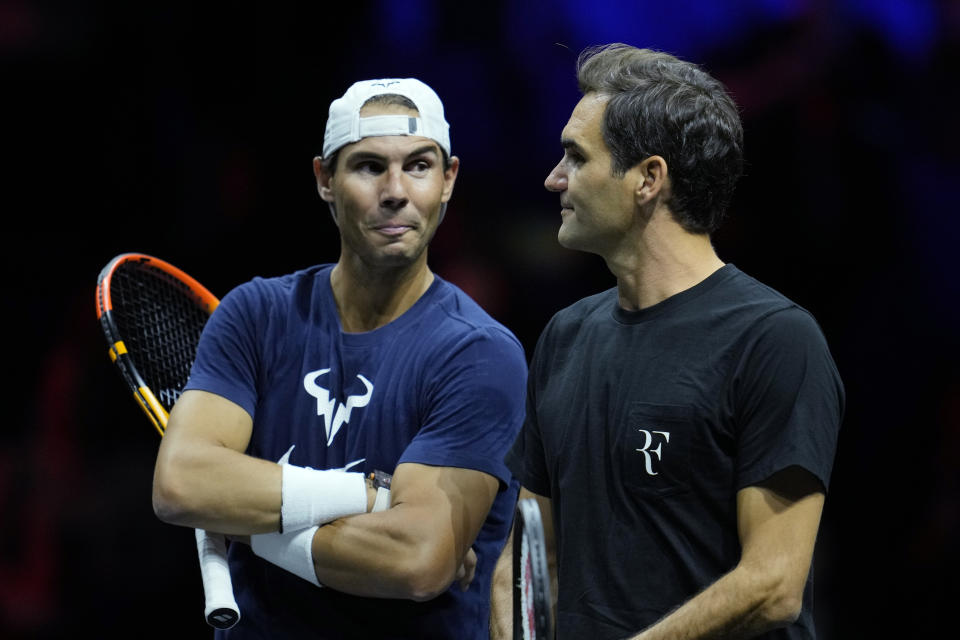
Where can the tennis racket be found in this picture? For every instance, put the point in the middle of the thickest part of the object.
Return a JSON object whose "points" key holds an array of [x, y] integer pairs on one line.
{"points": [[531, 578], [152, 314]]}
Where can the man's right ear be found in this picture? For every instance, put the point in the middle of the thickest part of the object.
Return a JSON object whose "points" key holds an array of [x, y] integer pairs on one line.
{"points": [[323, 180]]}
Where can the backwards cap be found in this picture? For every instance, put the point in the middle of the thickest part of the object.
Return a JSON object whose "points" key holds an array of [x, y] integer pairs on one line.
{"points": [[344, 124]]}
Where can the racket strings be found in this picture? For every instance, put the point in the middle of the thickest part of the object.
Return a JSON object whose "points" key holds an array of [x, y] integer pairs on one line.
{"points": [[160, 320], [527, 602], [532, 615]]}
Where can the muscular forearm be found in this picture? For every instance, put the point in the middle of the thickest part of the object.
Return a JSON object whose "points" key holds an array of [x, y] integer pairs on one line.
{"points": [[242, 496], [202, 477], [414, 549], [217, 489], [399, 553], [742, 604]]}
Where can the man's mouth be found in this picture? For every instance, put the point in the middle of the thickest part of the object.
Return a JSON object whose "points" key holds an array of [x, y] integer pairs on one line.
{"points": [[393, 229]]}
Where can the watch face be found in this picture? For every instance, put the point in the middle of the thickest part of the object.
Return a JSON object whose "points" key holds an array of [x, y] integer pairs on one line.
{"points": [[381, 479]]}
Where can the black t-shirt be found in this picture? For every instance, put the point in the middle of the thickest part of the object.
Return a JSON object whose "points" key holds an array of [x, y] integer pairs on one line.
{"points": [[642, 426]]}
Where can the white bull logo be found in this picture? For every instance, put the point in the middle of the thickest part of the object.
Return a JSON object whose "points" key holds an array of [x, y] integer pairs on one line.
{"points": [[332, 421]]}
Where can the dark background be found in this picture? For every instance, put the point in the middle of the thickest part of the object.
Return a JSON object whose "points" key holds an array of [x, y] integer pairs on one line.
{"points": [[186, 130]]}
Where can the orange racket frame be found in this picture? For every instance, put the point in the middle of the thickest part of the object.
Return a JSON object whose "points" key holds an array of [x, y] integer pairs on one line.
{"points": [[144, 396]]}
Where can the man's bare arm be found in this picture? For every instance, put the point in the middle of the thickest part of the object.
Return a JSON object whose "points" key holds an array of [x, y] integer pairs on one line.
{"points": [[414, 549], [204, 479], [778, 524]]}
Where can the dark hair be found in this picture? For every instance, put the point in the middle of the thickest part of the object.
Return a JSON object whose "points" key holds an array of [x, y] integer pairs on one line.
{"points": [[330, 164], [660, 105]]}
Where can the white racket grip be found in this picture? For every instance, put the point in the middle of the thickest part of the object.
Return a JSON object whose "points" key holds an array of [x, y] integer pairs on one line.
{"points": [[221, 610]]}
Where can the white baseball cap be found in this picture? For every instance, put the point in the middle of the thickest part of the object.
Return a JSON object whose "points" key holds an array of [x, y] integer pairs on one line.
{"points": [[344, 124]]}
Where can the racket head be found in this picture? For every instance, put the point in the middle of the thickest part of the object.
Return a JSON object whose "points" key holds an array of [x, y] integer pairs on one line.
{"points": [[151, 314], [531, 593]]}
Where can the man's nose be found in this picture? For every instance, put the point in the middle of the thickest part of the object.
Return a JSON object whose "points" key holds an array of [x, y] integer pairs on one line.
{"points": [[556, 180], [394, 193]]}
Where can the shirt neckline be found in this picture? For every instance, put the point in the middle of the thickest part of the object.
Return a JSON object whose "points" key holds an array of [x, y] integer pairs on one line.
{"points": [[623, 316], [408, 317]]}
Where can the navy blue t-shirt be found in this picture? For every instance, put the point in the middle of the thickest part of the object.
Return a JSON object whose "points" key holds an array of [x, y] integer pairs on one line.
{"points": [[442, 385]]}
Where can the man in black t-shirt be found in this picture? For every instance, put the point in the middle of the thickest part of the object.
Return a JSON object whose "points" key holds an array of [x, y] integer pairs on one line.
{"points": [[681, 427]]}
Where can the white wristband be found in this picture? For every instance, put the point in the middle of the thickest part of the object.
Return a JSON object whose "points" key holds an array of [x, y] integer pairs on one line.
{"points": [[382, 502], [312, 496], [291, 551]]}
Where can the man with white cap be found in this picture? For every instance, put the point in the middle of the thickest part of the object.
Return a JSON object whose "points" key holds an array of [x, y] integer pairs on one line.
{"points": [[308, 384]]}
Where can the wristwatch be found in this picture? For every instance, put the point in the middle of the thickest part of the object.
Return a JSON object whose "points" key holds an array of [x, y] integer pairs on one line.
{"points": [[380, 479], [381, 482]]}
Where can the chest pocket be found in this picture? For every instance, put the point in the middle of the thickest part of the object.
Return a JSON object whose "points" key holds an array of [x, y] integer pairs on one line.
{"points": [[655, 444]]}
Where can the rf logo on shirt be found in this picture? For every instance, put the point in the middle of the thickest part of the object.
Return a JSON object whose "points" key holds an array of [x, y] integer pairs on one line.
{"points": [[649, 437], [333, 420]]}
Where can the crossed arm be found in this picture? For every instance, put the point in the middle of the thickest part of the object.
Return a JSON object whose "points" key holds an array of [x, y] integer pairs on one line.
{"points": [[203, 479], [777, 525]]}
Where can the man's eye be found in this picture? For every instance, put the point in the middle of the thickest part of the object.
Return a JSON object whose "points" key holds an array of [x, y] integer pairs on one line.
{"points": [[419, 165], [369, 167]]}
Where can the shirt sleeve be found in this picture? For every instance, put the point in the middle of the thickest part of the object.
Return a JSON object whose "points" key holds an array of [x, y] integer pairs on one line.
{"points": [[526, 458], [788, 399], [474, 406], [227, 355]]}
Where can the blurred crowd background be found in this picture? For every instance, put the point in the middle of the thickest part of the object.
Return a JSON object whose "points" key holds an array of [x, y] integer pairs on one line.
{"points": [[187, 130]]}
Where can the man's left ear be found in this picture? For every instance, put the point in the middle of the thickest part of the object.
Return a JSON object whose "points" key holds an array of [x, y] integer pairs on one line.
{"points": [[652, 179], [450, 178]]}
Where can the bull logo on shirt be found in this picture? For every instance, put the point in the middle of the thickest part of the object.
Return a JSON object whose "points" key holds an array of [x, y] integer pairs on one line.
{"points": [[333, 420]]}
